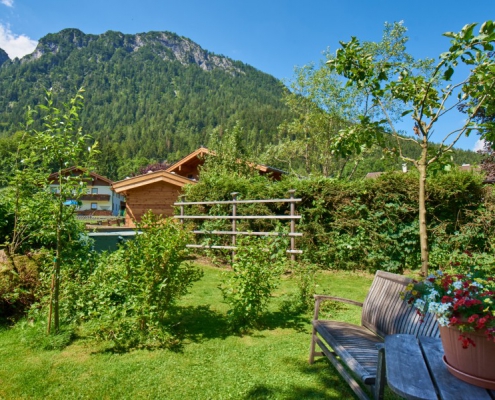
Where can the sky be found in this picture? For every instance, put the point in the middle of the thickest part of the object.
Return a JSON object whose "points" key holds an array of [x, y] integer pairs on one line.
{"points": [[273, 36]]}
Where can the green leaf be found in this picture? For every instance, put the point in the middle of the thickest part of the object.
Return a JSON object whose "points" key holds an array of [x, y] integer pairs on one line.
{"points": [[448, 73]]}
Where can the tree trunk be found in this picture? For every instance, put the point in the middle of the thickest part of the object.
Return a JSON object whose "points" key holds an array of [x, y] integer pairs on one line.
{"points": [[56, 293], [423, 232], [55, 287]]}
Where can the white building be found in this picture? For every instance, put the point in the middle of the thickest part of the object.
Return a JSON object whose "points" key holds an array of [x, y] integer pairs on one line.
{"points": [[100, 198]]}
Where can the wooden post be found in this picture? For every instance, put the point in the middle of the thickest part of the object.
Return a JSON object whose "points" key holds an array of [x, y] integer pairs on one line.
{"points": [[234, 225], [182, 197], [292, 224]]}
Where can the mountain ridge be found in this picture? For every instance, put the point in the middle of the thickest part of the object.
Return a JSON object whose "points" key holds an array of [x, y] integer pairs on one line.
{"points": [[149, 96], [173, 46]]}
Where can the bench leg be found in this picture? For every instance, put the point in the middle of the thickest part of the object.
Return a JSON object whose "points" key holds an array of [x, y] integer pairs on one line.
{"points": [[354, 385], [312, 347], [380, 375]]}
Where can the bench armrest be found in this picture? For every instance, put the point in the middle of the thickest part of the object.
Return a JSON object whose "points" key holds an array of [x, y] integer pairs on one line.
{"points": [[320, 297]]}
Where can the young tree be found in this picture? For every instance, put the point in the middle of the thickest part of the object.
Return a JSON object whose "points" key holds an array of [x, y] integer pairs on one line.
{"points": [[228, 156], [58, 145], [323, 106], [426, 95]]}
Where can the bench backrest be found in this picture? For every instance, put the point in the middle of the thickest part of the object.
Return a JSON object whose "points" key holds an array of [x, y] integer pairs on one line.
{"points": [[385, 313]]}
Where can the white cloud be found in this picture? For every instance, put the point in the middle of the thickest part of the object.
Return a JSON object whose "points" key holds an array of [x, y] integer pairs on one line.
{"points": [[8, 3], [15, 45], [479, 145]]}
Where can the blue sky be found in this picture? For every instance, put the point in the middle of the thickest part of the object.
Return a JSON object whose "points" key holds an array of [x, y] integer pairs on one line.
{"points": [[271, 35]]}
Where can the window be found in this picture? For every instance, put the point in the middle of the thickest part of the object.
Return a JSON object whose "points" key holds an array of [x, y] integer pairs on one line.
{"points": [[94, 190], [94, 206]]}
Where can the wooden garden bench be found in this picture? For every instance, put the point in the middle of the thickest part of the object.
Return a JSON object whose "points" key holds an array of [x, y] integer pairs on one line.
{"points": [[353, 349]]}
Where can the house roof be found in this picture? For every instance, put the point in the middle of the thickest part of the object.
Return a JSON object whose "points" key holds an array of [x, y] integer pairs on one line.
{"points": [[373, 175], [149, 178], [190, 158], [195, 158], [82, 170]]}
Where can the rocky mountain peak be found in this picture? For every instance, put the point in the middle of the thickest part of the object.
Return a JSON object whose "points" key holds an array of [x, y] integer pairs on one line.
{"points": [[166, 45], [3, 56]]}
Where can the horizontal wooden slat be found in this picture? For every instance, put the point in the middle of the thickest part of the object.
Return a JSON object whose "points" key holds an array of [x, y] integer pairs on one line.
{"points": [[295, 234], [237, 217], [236, 202], [360, 393], [355, 345], [203, 246]]}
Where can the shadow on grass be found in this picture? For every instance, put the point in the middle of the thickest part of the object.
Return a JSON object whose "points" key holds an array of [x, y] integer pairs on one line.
{"points": [[198, 323], [284, 319], [331, 385]]}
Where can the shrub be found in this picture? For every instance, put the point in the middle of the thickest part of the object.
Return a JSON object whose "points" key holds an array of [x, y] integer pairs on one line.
{"points": [[19, 285], [133, 289], [256, 269]]}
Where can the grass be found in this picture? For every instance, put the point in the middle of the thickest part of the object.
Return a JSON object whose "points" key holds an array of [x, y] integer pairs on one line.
{"points": [[210, 363]]}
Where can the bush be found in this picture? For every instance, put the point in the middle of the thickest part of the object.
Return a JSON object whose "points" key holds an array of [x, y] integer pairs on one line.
{"points": [[132, 290], [19, 285], [256, 270]]}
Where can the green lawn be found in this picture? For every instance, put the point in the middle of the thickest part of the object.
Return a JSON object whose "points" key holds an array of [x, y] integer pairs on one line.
{"points": [[210, 363]]}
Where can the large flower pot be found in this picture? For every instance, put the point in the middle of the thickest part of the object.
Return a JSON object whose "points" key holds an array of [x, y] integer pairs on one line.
{"points": [[476, 364]]}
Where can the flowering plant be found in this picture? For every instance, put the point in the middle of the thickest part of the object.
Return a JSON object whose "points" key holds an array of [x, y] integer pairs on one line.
{"points": [[464, 301]]}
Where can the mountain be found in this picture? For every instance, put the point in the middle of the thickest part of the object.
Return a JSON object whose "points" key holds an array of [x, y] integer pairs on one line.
{"points": [[3, 57], [149, 96]]}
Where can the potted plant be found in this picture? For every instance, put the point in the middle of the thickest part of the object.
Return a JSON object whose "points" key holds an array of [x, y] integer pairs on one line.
{"points": [[464, 304]]}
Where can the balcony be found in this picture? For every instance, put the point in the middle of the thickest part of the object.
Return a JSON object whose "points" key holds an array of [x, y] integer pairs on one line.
{"points": [[95, 197]]}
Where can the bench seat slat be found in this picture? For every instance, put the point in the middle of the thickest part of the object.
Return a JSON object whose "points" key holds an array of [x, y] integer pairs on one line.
{"points": [[355, 345]]}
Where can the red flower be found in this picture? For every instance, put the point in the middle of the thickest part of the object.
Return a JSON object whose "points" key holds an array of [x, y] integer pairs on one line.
{"points": [[473, 318], [465, 341], [447, 299]]}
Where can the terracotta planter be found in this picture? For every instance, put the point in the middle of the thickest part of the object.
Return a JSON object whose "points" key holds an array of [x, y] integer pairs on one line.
{"points": [[475, 365]]}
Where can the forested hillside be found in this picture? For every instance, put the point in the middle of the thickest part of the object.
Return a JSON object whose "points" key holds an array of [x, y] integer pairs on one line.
{"points": [[150, 97]]}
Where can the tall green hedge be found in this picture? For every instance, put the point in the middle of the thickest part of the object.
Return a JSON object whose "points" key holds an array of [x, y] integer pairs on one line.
{"points": [[369, 224]]}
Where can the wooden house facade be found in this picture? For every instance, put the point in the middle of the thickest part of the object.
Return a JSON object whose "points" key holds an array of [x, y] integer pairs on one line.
{"points": [[158, 191], [155, 191]]}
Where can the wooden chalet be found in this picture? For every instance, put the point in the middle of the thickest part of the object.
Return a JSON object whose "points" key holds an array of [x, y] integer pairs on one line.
{"points": [[155, 191], [158, 191], [188, 167]]}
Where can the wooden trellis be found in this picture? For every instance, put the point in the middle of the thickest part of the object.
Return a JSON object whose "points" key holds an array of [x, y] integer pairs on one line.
{"points": [[234, 217]]}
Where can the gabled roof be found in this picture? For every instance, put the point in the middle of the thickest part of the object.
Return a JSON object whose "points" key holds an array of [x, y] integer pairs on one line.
{"points": [[190, 158], [373, 175], [83, 171], [149, 178], [196, 158]]}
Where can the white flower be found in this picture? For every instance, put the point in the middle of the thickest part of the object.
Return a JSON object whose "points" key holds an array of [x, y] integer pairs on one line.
{"points": [[432, 295], [443, 321], [457, 285], [420, 305], [439, 308]]}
